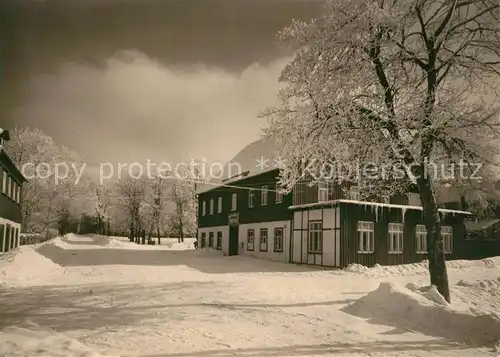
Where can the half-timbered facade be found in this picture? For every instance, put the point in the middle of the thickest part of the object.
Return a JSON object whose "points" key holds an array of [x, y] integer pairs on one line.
{"points": [[322, 224], [11, 181], [341, 232]]}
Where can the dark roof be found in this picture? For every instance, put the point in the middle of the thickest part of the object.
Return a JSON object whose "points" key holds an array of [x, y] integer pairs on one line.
{"points": [[11, 166], [269, 149], [245, 164], [479, 225]]}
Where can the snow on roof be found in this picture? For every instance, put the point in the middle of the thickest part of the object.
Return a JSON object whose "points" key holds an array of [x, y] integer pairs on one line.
{"points": [[246, 164], [480, 224], [389, 205]]}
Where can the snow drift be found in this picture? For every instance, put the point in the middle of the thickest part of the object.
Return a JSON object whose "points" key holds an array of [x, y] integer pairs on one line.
{"points": [[420, 268], [25, 265], [33, 340], [424, 311], [124, 243]]}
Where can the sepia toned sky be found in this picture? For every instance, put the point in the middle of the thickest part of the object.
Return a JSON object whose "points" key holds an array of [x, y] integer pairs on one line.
{"points": [[131, 80]]}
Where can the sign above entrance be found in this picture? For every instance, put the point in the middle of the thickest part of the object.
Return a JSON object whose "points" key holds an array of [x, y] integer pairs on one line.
{"points": [[234, 219]]}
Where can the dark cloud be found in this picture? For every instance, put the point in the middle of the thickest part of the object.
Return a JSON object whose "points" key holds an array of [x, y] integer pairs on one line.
{"points": [[137, 109], [120, 79]]}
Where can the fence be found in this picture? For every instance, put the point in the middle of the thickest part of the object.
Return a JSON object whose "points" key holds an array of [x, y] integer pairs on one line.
{"points": [[35, 238]]}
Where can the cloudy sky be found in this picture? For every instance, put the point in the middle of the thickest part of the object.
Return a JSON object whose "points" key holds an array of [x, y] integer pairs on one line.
{"points": [[131, 80]]}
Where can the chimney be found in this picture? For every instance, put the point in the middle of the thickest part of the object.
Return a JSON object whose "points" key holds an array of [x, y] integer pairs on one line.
{"points": [[4, 136]]}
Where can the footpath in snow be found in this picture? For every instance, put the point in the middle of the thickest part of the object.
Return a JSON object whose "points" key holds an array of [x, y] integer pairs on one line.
{"points": [[75, 296]]}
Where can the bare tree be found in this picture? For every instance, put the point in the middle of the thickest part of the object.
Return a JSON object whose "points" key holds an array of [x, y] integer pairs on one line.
{"points": [[101, 201], [49, 198], [181, 197], [132, 196], [407, 83], [183, 192], [159, 188], [28, 148]]}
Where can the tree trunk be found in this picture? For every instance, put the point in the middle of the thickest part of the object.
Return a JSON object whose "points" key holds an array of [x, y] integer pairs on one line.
{"points": [[435, 247], [181, 231], [158, 234], [131, 237]]}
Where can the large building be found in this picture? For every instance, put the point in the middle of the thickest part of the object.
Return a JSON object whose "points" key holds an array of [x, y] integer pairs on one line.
{"points": [[321, 225], [11, 182]]}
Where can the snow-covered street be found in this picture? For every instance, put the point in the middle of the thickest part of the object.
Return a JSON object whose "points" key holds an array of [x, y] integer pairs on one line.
{"points": [[96, 296]]}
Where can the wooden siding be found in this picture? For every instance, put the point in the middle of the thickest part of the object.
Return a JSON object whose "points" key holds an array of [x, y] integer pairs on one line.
{"points": [[271, 212], [477, 249], [8, 165], [9, 209], [381, 217], [305, 193]]}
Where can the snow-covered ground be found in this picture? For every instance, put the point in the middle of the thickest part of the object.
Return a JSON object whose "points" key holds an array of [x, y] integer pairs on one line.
{"points": [[101, 296]]}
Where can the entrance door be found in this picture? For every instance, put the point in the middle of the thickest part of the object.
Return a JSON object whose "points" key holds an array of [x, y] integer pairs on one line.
{"points": [[233, 240]]}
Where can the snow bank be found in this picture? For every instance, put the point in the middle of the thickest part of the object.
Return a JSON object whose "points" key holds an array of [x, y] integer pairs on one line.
{"points": [[33, 340], [124, 243], [209, 252], [480, 296], [415, 268], [58, 242], [114, 243], [425, 311], [24, 265]]}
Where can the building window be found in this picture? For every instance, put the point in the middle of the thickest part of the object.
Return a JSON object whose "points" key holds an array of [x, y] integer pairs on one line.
{"points": [[250, 198], [219, 240], [395, 238], [263, 196], [263, 240], [211, 239], [250, 239], [203, 208], [219, 205], [354, 193], [234, 201], [322, 191], [315, 237], [211, 206], [279, 193], [8, 186], [421, 238], [4, 182], [447, 234], [19, 195], [278, 239], [366, 237]]}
